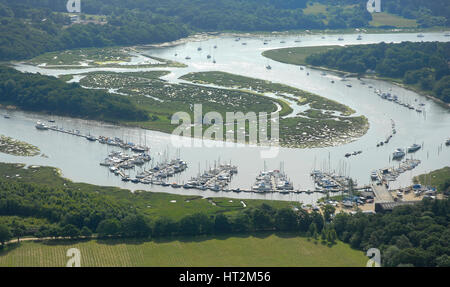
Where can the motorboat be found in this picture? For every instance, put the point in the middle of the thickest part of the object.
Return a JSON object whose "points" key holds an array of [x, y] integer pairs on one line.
{"points": [[398, 154], [41, 126], [414, 148]]}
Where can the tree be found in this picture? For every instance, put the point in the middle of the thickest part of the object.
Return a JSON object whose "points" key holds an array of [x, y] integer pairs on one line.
{"points": [[313, 230], [70, 230], [135, 226], [221, 224], [5, 234], [286, 220], [328, 211], [18, 230], [164, 227], [332, 236], [86, 232], [108, 227]]}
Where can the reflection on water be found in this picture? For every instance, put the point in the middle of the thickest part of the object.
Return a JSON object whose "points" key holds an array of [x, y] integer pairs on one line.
{"points": [[79, 159]]}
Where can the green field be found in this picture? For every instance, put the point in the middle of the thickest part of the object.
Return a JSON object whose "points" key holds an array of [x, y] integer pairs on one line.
{"points": [[387, 19], [295, 56], [438, 178], [256, 251]]}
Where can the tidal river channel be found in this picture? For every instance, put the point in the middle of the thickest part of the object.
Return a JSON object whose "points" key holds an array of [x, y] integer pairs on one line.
{"points": [[79, 159]]}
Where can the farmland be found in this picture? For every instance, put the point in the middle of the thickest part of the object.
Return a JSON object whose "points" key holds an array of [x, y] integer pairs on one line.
{"points": [[247, 250]]}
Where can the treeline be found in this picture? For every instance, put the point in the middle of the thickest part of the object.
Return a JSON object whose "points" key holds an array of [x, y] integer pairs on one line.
{"points": [[416, 235], [30, 28], [35, 92], [75, 213], [423, 64]]}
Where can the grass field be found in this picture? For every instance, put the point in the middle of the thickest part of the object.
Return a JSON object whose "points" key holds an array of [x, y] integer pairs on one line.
{"points": [[256, 251], [387, 19], [295, 56], [438, 178]]}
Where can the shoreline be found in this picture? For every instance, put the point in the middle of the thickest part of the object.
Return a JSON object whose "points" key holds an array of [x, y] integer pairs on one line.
{"points": [[345, 74]]}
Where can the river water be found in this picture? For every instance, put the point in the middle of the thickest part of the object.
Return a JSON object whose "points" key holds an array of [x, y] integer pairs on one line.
{"points": [[79, 159]]}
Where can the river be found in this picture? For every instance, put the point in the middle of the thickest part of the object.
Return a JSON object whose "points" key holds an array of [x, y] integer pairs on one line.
{"points": [[79, 159]]}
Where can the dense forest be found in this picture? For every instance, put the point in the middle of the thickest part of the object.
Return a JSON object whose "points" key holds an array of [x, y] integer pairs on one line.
{"points": [[424, 65], [416, 235], [35, 92]]}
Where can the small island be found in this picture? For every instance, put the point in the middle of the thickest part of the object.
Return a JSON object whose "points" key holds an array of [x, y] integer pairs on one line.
{"points": [[18, 148]]}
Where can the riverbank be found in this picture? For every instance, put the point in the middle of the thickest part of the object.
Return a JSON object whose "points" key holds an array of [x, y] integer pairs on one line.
{"points": [[298, 55]]}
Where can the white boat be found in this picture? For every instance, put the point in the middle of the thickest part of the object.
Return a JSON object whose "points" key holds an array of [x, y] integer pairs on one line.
{"points": [[398, 153], [41, 126], [414, 148], [374, 175]]}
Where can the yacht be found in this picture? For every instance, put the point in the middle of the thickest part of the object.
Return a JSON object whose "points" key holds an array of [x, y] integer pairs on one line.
{"points": [[91, 138], [41, 126], [139, 148], [374, 175], [398, 154], [414, 148]]}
